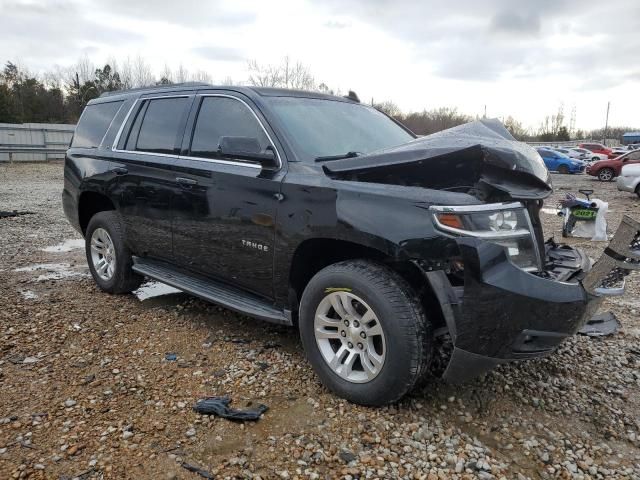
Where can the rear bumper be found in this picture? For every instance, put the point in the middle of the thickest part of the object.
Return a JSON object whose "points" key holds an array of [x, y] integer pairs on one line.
{"points": [[504, 313], [70, 208]]}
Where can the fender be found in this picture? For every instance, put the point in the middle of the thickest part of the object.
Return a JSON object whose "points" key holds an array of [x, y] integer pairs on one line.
{"points": [[85, 170]]}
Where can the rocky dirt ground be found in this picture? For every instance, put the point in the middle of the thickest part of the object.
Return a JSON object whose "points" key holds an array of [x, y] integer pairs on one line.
{"points": [[86, 390]]}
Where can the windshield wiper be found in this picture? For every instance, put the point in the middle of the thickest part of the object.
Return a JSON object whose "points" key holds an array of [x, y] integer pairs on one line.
{"points": [[338, 157]]}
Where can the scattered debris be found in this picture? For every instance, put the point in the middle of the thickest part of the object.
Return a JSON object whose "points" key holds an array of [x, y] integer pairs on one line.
{"points": [[14, 213], [28, 294], [171, 357], [220, 406], [601, 325], [346, 456], [200, 471], [237, 340]]}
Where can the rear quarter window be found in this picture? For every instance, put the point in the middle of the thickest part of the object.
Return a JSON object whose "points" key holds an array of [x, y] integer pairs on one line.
{"points": [[94, 123]]}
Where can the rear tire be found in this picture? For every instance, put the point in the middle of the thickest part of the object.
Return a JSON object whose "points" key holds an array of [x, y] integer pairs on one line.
{"points": [[375, 304], [606, 174], [638, 191], [108, 256], [563, 169]]}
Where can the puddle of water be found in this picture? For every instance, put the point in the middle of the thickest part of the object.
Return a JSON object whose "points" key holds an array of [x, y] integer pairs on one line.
{"points": [[154, 289], [66, 246], [54, 271], [28, 294]]}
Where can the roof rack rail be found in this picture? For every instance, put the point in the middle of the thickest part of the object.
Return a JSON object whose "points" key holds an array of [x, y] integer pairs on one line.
{"points": [[156, 87]]}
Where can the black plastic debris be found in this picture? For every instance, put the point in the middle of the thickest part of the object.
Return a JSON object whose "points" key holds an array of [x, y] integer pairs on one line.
{"points": [[220, 406], [601, 325], [13, 213], [200, 471]]}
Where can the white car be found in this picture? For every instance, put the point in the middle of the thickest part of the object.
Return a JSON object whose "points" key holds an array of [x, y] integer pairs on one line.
{"points": [[619, 150], [572, 153], [591, 156], [629, 179]]}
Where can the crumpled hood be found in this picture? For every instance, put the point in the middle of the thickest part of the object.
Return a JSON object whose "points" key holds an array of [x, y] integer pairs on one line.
{"points": [[482, 150]]}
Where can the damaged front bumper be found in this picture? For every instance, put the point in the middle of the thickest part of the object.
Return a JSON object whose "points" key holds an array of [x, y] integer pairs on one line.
{"points": [[504, 313]]}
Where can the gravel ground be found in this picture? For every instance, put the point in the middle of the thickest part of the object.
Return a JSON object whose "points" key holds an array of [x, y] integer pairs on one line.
{"points": [[87, 391]]}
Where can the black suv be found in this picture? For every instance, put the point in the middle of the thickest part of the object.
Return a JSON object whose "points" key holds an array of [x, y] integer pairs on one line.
{"points": [[319, 212]]}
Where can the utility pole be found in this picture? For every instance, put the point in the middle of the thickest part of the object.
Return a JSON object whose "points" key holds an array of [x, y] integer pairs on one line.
{"points": [[606, 124], [485, 112]]}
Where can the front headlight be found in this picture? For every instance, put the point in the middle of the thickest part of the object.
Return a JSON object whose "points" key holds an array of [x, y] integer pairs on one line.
{"points": [[506, 224]]}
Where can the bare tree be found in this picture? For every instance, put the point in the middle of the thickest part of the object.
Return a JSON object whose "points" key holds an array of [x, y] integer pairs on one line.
{"points": [[287, 74], [389, 108], [142, 76], [84, 69], [228, 81], [201, 76], [264, 75], [166, 77], [296, 75], [182, 74], [126, 74], [515, 128]]}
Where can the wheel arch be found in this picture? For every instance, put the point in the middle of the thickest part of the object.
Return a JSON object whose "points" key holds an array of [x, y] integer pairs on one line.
{"points": [[314, 254], [90, 203]]}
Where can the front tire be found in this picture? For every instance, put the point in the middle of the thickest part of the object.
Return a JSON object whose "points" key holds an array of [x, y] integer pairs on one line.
{"points": [[605, 174], [364, 332], [108, 256], [563, 169]]}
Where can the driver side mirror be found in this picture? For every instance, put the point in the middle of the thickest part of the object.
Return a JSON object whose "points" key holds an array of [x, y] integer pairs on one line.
{"points": [[248, 148]]}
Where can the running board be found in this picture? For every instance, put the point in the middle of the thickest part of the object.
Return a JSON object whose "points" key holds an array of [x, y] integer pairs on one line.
{"points": [[210, 290]]}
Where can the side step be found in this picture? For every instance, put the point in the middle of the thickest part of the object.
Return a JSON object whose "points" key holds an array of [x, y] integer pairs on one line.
{"points": [[210, 290]]}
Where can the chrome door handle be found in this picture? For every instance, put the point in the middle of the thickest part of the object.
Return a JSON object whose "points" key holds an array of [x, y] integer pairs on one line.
{"points": [[186, 181]]}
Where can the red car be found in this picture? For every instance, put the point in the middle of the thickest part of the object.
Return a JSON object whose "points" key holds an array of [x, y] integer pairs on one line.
{"points": [[607, 170], [596, 148]]}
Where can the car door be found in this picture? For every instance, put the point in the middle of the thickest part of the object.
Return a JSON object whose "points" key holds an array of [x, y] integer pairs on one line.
{"points": [[549, 159], [144, 156], [225, 212]]}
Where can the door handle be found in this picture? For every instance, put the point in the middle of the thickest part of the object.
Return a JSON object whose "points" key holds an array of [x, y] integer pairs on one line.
{"points": [[119, 170], [186, 181]]}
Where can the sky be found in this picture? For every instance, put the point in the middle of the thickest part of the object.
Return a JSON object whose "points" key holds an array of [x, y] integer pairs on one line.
{"points": [[512, 57]]}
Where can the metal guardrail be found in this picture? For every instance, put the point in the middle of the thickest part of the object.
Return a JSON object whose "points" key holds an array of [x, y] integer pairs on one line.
{"points": [[41, 150]]}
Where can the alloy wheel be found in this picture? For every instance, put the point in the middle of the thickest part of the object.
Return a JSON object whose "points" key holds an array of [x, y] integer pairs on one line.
{"points": [[103, 254], [350, 337]]}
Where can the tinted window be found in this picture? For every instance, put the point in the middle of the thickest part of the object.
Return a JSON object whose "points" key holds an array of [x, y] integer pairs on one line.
{"points": [[94, 123], [160, 128], [223, 117]]}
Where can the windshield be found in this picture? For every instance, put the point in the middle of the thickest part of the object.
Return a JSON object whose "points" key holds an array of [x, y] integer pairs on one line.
{"points": [[324, 128]]}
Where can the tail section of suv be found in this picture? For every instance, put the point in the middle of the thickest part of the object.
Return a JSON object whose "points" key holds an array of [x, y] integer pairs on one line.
{"points": [[318, 212]]}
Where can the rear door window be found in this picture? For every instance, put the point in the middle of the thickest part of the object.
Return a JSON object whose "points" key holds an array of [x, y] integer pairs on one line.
{"points": [[159, 125], [94, 123], [223, 117]]}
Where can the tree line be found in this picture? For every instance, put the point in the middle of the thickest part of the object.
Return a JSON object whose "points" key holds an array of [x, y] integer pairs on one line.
{"points": [[59, 96]]}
